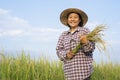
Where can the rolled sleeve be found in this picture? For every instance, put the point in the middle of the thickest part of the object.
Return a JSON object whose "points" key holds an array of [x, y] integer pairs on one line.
{"points": [[88, 48], [61, 54]]}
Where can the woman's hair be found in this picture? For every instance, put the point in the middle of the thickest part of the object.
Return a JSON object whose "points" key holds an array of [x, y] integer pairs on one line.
{"points": [[81, 23]]}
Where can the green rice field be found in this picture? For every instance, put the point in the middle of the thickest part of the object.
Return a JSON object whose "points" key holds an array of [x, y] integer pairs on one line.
{"points": [[24, 68]]}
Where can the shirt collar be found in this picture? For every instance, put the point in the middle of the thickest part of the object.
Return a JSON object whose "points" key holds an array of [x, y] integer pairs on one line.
{"points": [[78, 28]]}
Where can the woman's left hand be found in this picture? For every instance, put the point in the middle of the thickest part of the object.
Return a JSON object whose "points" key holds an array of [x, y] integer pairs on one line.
{"points": [[83, 39], [70, 55]]}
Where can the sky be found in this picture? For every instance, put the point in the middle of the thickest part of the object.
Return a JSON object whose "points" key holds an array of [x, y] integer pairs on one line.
{"points": [[34, 26]]}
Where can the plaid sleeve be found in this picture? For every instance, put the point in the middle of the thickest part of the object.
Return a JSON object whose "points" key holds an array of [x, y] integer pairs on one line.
{"points": [[60, 48], [88, 48]]}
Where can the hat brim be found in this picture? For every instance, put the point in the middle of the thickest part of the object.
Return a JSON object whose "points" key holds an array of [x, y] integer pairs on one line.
{"points": [[64, 15]]}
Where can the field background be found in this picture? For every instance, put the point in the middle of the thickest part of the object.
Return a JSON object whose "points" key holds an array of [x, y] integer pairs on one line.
{"points": [[23, 67]]}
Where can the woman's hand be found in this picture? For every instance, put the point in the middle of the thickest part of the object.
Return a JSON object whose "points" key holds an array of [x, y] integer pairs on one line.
{"points": [[83, 39], [70, 55]]}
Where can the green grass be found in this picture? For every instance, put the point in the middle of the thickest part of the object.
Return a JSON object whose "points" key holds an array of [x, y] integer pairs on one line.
{"points": [[24, 68], [106, 71]]}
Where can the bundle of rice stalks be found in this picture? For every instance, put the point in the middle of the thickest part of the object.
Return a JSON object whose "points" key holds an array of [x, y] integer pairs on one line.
{"points": [[94, 36]]}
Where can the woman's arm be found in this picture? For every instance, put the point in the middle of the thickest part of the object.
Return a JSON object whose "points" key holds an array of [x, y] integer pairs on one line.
{"points": [[60, 50], [87, 46]]}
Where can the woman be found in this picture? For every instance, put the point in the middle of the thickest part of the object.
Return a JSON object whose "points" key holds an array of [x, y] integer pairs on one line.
{"points": [[78, 66]]}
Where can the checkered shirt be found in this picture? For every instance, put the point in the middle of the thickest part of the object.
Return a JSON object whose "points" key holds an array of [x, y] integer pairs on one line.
{"points": [[80, 66]]}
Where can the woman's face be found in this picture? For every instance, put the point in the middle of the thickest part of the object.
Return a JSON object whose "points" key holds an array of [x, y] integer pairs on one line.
{"points": [[73, 20]]}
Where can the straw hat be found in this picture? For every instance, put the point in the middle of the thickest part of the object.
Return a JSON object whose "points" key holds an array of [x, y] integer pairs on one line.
{"points": [[64, 15]]}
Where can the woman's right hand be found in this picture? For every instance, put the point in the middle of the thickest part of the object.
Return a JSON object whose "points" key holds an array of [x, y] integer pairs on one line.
{"points": [[70, 55], [83, 39]]}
